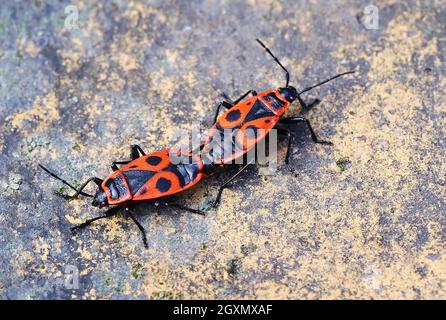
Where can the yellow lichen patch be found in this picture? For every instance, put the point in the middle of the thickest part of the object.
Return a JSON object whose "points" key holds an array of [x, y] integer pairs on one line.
{"points": [[162, 84], [72, 220], [114, 229], [200, 105], [265, 6], [172, 56], [388, 102], [271, 290], [43, 112], [42, 248], [127, 62], [84, 253], [32, 49]]}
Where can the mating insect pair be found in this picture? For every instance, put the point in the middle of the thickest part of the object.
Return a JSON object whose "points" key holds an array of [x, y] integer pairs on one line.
{"points": [[154, 176]]}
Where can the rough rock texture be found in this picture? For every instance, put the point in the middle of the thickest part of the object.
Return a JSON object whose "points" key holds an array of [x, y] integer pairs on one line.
{"points": [[363, 219]]}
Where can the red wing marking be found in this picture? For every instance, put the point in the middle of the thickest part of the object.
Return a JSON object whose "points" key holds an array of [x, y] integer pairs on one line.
{"points": [[155, 161], [250, 133], [165, 177]]}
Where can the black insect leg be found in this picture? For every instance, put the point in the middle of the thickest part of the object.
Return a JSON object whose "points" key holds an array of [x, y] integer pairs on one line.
{"points": [[224, 104], [282, 129], [290, 139], [136, 152], [307, 106], [109, 213], [140, 227], [225, 185], [114, 164], [293, 120], [236, 101]]}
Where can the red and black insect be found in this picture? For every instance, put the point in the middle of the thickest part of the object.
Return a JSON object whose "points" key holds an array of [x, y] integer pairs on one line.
{"points": [[147, 178], [250, 119], [154, 177]]}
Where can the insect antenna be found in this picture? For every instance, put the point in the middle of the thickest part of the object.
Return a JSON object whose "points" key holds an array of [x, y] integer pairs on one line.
{"points": [[287, 74], [325, 81], [65, 182]]}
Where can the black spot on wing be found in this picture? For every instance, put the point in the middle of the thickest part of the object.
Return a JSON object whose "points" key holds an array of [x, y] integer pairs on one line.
{"points": [[137, 178], [233, 115], [163, 184], [153, 160], [222, 148], [186, 172], [174, 169]]}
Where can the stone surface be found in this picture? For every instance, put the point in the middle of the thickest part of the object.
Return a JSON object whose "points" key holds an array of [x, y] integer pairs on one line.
{"points": [[363, 219]]}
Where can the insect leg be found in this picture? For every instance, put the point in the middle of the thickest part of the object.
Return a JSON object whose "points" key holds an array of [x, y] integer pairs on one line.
{"points": [[109, 213], [292, 120], [225, 185], [140, 227], [243, 96], [228, 104], [290, 139], [307, 106], [136, 152], [224, 104], [114, 164]]}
